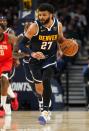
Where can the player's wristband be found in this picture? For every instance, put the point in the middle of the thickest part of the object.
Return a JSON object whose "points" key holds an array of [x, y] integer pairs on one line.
{"points": [[22, 45]]}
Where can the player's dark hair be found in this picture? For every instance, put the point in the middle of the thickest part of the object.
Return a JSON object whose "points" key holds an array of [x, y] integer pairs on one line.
{"points": [[46, 7]]}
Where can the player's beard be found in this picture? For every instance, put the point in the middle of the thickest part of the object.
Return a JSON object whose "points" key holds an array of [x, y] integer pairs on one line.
{"points": [[46, 21]]}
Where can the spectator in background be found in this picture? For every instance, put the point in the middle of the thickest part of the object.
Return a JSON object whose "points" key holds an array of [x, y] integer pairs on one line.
{"points": [[11, 13]]}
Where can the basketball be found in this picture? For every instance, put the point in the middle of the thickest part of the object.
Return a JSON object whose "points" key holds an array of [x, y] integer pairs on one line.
{"points": [[69, 47]]}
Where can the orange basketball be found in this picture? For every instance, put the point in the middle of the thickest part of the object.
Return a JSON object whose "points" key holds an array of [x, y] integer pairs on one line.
{"points": [[69, 47]]}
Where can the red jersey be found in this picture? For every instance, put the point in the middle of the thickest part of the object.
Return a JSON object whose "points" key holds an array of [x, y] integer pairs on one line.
{"points": [[5, 49]]}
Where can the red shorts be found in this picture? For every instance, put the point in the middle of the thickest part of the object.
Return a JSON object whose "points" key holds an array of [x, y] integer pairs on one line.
{"points": [[6, 66]]}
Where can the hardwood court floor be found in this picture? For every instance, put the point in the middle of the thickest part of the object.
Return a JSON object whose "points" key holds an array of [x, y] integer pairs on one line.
{"points": [[61, 121]]}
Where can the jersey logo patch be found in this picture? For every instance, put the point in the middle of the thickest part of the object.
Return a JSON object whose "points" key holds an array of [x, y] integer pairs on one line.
{"points": [[54, 28]]}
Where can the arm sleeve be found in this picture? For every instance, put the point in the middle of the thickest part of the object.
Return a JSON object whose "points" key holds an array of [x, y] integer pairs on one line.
{"points": [[22, 45]]}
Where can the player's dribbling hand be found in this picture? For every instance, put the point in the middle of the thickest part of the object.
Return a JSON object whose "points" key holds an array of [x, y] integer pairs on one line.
{"points": [[38, 55]]}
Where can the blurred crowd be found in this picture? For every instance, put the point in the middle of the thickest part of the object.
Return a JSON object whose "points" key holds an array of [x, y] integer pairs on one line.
{"points": [[75, 21], [10, 10], [11, 13]]}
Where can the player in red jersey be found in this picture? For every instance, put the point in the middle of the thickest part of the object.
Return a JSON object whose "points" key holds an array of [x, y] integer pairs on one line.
{"points": [[6, 62], [13, 96]]}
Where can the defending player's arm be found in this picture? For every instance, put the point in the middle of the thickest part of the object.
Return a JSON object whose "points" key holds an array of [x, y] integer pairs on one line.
{"points": [[12, 40]]}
